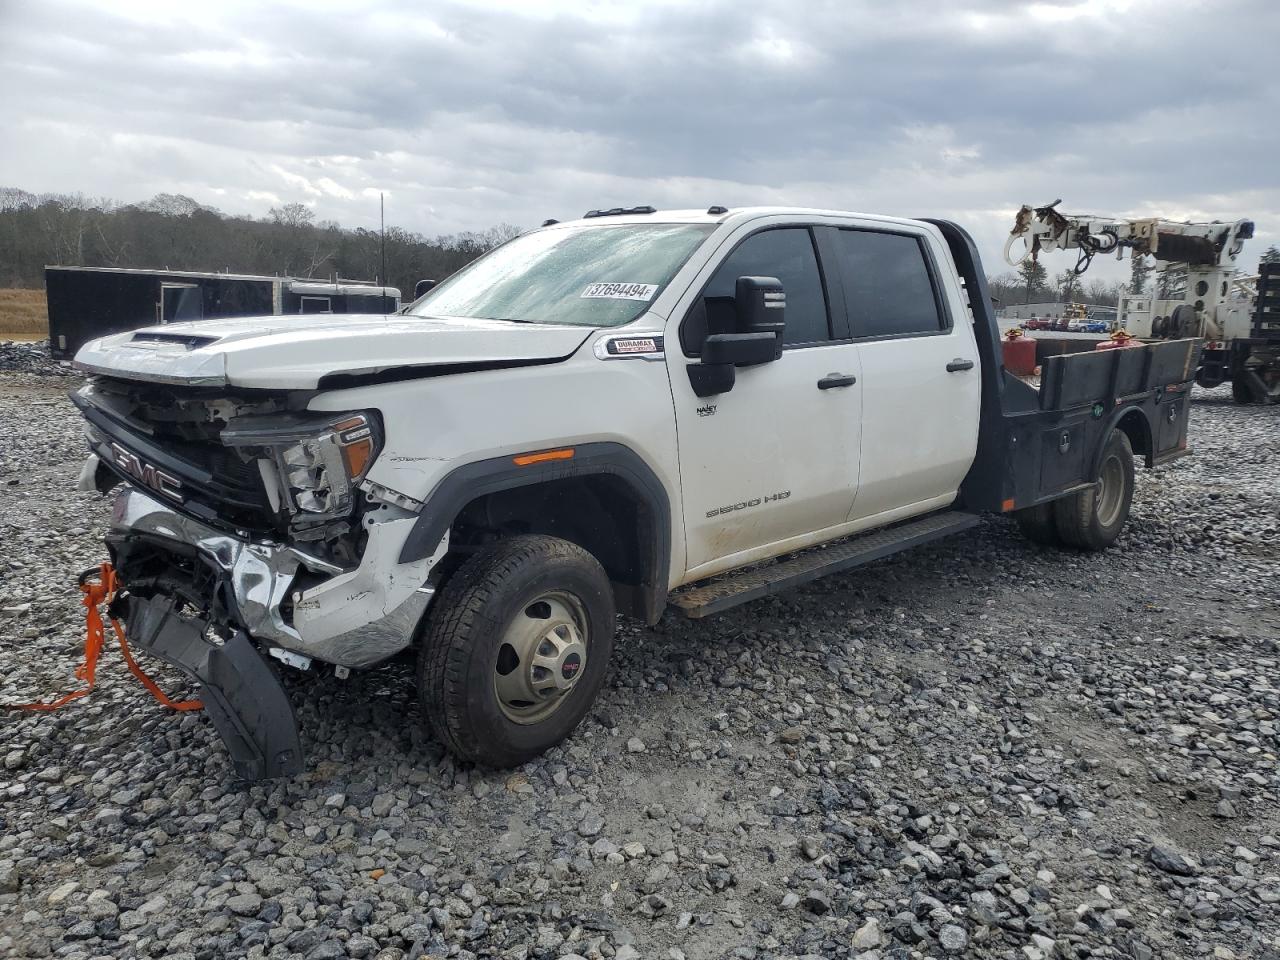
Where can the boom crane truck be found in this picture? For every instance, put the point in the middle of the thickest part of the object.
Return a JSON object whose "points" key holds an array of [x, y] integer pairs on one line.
{"points": [[1198, 292]]}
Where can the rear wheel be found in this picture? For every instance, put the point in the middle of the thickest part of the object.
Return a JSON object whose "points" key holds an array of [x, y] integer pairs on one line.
{"points": [[1241, 392], [1037, 524], [1092, 519], [516, 650], [1210, 377]]}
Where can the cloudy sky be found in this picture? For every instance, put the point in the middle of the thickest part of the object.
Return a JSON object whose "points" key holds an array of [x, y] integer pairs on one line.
{"points": [[472, 113]]}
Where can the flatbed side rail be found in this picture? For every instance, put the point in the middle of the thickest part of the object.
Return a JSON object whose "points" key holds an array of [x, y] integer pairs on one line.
{"points": [[1106, 376]]}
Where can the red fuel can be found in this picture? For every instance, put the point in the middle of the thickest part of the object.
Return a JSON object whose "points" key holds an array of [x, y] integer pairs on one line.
{"points": [[1019, 353]]}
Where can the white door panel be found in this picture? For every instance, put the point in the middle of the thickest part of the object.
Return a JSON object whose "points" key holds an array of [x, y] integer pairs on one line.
{"points": [[920, 429], [920, 420], [773, 458]]}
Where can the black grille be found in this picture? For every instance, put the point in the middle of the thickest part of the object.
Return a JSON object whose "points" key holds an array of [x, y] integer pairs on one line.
{"points": [[217, 487]]}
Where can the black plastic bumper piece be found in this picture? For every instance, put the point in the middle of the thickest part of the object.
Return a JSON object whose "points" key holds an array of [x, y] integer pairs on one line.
{"points": [[242, 696]]}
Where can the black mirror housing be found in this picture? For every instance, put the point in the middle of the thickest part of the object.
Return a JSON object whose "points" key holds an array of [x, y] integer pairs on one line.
{"points": [[742, 349], [723, 353], [761, 305], [421, 287]]}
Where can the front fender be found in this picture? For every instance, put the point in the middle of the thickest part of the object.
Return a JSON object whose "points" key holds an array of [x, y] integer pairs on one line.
{"points": [[469, 481]]}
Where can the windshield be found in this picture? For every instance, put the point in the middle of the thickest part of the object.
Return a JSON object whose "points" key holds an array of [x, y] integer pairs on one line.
{"points": [[589, 276]]}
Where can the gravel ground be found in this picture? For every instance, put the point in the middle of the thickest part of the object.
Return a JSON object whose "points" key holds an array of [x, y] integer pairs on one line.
{"points": [[29, 358], [979, 749]]}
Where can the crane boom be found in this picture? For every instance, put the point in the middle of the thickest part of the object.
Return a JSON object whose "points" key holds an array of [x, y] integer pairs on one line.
{"points": [[1197, 244], [1197, 291]]}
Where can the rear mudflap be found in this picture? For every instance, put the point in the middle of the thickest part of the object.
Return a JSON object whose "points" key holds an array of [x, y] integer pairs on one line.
{"points": [[241, 694]]}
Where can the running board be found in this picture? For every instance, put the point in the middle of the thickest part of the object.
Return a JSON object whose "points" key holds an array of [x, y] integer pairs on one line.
{"points": [[735, 588]]}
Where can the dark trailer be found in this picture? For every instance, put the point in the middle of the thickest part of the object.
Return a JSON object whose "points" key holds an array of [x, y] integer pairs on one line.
{"points": [[90, 302]]}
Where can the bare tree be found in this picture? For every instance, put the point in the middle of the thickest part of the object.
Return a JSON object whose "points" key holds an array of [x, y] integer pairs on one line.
{"points": [[1103, 293], [1068, 283], [292, 215], [171, 204], [1139, 269]]}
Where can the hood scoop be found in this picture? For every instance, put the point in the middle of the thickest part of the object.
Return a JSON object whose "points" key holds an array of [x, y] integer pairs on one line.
{"points": [[179, 339]]}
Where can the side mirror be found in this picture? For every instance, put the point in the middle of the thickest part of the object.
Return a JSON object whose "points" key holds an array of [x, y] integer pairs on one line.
{"points": [[760, 304], [759, 307], [723, 353], [421, 287]]}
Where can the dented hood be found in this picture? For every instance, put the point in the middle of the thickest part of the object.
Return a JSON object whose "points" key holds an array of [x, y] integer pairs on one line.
{"points": [[297, 353]]}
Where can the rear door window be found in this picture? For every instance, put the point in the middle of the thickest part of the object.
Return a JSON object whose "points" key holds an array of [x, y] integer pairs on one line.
{"points": [[888, 285]]}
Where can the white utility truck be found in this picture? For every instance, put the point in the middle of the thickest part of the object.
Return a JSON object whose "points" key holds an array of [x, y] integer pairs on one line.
{"points": [[1197, 292], [618, 414]]}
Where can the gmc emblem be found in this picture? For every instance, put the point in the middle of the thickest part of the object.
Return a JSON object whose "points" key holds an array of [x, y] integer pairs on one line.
{"points": [[146, 474]]}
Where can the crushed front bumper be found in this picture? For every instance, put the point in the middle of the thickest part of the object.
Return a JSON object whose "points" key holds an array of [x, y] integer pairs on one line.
{"points": [[351, 618], [180, 578], [241, 695]]}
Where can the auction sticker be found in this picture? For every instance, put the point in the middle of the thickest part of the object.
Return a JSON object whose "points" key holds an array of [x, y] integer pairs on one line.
{"points": [[620, 291]]}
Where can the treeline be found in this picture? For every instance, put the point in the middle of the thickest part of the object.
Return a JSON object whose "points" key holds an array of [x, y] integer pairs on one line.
{"points": [[1011, 289], [173, 232]]}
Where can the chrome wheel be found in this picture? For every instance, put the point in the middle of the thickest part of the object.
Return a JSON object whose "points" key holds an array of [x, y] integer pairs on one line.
{"points": [[542, 657], [1110, 492]]}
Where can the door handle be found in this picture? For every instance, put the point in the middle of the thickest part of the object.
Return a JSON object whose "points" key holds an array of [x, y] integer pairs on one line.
{"points": [[833, 380], [956, 365]]}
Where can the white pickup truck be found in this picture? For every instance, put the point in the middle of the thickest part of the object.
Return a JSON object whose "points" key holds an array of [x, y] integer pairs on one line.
{"points": [[626, 412]]}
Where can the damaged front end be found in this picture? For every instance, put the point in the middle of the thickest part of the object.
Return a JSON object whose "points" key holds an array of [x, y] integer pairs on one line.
{"points": [[247, 523]]}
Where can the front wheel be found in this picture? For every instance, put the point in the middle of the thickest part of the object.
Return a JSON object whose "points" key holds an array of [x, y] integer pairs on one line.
{"points": [[1092, 519], [516, 649]]}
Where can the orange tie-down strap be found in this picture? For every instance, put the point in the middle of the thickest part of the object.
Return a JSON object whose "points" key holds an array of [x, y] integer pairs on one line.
{"points": [[99, 587]]}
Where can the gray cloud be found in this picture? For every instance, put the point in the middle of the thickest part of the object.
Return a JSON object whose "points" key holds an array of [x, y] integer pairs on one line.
{"points": [[467, 114]]}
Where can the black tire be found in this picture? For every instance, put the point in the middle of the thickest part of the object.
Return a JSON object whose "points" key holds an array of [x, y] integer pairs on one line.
{"points": [[459, 657], [1092, 519], [1183, 322], [1241, 392], [1208, 378], [1037, 524]]}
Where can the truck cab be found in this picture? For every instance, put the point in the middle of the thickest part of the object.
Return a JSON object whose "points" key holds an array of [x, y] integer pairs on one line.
{"points": [[610, 415]]}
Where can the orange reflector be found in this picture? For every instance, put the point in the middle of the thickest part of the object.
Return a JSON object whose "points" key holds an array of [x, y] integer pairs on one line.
{"points": [[528, 459], [357, 456], [1007, 505]]}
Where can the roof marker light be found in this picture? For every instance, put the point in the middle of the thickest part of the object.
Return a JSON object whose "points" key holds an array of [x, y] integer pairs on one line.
{"points": [[618, 212]]}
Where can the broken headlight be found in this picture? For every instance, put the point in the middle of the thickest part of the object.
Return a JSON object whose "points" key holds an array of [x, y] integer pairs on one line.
{"points": [[310, 467]]}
